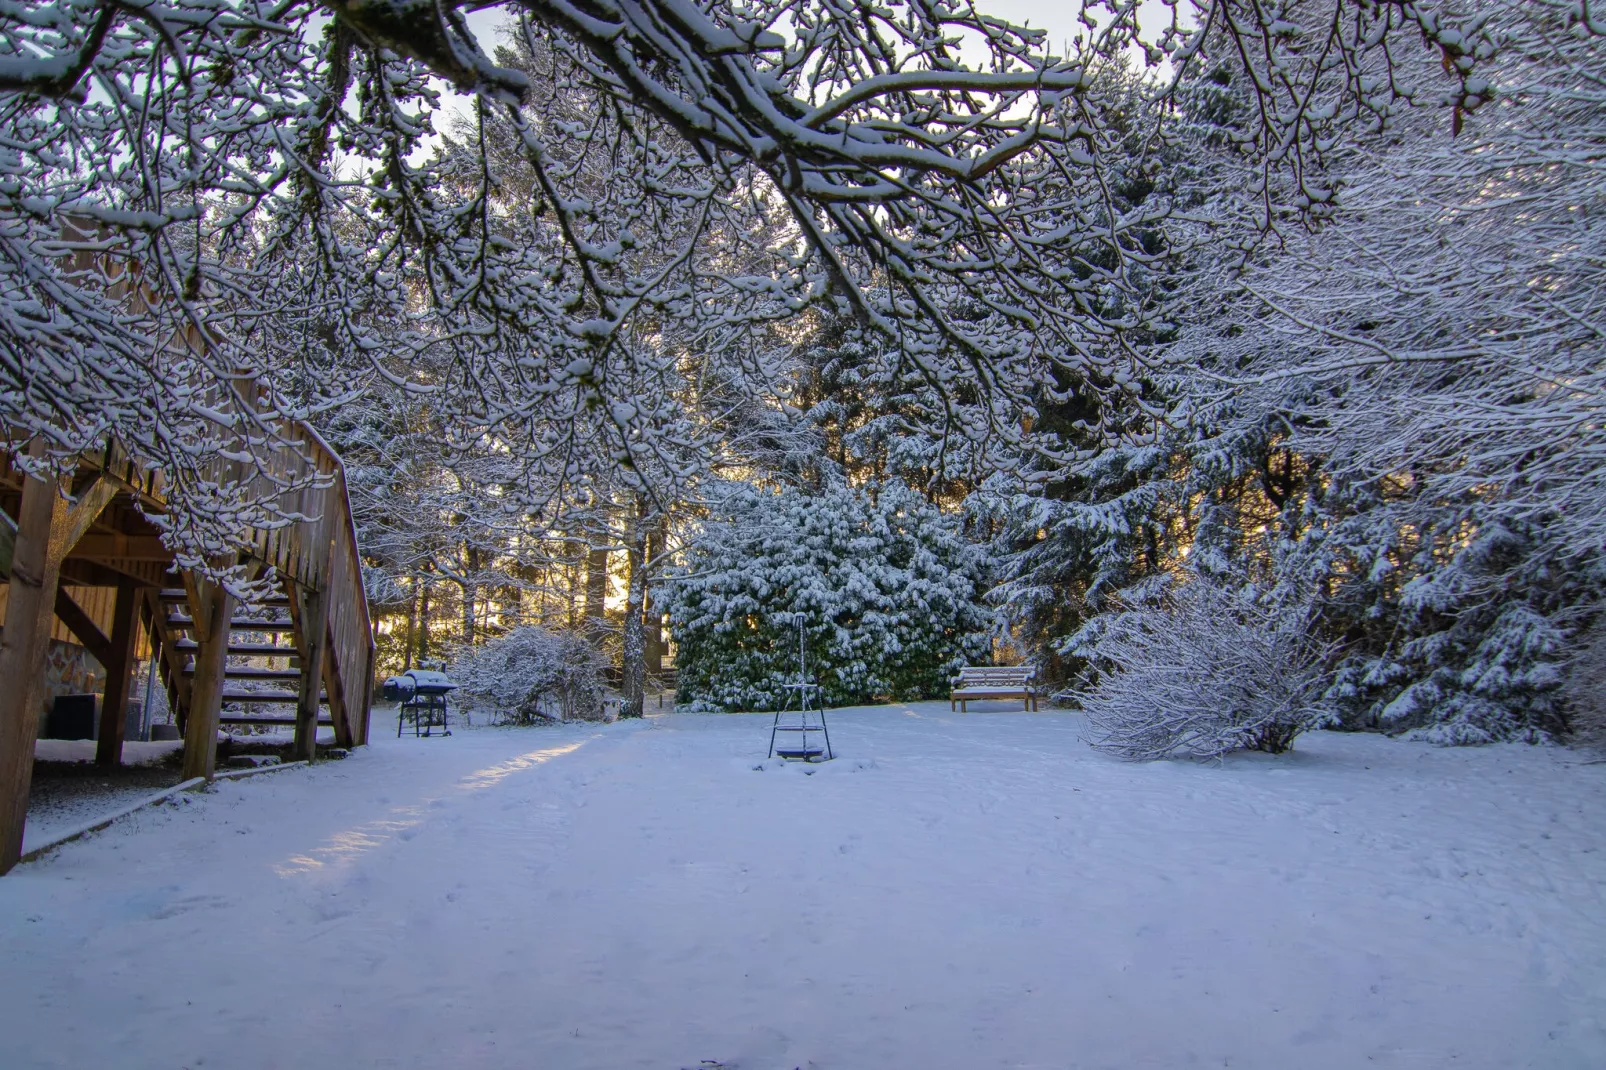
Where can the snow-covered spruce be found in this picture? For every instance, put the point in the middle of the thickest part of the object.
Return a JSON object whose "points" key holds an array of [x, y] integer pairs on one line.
{"points": [[1198, 671], [531, 674], [888, 586], [1397, 410]]}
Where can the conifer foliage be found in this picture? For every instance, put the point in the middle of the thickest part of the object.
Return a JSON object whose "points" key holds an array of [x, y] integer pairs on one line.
{"points": [[888, 586]]}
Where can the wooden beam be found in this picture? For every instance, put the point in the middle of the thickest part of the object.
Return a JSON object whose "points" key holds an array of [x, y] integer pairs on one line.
{"points": [[113, 547], [119, 675], [8, 542], [91, 501], [339, 716], [313, 624], [39, 546], [213, 607], [83, 627]]}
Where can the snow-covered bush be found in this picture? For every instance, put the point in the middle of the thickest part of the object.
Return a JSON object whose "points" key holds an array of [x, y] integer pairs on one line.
{"points": [[1199, 670], [888, 586], [531, 674]]}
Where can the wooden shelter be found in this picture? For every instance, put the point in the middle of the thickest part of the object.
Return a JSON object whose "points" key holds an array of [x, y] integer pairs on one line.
{"points": [[92, 530]]}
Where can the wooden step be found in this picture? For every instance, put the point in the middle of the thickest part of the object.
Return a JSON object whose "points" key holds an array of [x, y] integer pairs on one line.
{"points": [[250, 672], [290, 697], [283, 624], [256, 650], [178, 596], [229, 719]]}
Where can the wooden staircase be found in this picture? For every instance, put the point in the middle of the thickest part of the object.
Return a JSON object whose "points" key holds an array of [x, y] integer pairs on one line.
{"points": [[263, 674], [219, 662], [303, 656]]}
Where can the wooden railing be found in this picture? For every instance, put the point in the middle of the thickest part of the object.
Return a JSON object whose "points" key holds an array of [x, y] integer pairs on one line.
{"points": [[320, 555], [349, 678]]}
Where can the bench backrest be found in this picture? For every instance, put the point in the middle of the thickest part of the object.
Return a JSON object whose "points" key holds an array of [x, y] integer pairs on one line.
{"points": [[996, 675]]}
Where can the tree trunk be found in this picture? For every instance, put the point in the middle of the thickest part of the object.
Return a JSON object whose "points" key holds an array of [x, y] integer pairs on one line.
{"points": [[571, 575], [634, 666], [423, 625], [654, 623], [596, 591], [412, 625], [471, 568]]}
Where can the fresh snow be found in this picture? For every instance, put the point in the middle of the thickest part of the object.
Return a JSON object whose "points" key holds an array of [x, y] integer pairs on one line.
{"points": [[60, 803], [960, 891], [135, 752]]}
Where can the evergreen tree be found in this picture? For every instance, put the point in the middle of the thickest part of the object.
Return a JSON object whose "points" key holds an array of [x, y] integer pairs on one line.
{"points": [[888, 587]]}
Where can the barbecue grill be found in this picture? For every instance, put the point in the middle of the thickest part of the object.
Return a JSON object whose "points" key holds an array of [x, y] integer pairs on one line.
{"points": [[422, 694]]}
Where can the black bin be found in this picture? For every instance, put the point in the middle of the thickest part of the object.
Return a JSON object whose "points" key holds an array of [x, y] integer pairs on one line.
{"points": [[71, 717]]}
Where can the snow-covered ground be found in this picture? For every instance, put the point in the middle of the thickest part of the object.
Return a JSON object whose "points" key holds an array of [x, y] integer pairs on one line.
{"points": [[954, 891], [135, 752], [73, 793]]}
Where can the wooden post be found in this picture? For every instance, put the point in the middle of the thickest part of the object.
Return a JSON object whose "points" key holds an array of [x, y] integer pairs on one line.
{"points": [[31, 606], [340, 717], [213, 607], [359, 729], [119, 675], [314, 641], [47, 528]]}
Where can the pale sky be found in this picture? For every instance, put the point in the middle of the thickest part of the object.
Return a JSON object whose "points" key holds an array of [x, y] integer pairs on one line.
{"points": [[1058, 17]]}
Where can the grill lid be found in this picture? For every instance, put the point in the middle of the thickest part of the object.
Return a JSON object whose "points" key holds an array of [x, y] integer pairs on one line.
{"points": [[430, 682]]}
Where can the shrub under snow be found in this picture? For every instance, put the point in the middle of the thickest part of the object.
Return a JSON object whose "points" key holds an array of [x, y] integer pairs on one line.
{"points": [[530, 674], [888, 585], [1201, 670]]}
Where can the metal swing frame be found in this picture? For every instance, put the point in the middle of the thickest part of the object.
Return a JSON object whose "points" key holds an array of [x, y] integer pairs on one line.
{"points": [[804, 727]]}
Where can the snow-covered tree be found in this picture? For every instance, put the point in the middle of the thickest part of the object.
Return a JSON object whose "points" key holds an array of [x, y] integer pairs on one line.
{"points": [[1433, 356], [888, 587], [689, 177], [530, 674], [1390, 407], [1197, 670]]}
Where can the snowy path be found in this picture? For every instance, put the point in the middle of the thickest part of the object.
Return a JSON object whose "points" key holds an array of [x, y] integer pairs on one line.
{"points": [[954, 892]]}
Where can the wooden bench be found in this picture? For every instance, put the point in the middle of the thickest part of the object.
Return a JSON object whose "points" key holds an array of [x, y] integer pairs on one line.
{"points": [[993, 681], [668, 681]]}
